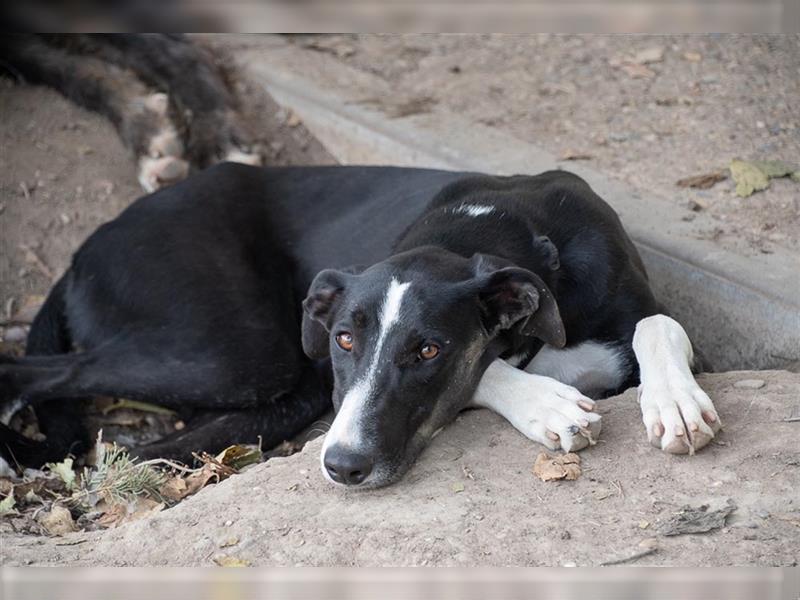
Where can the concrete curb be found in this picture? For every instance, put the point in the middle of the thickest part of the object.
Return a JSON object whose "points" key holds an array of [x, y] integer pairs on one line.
{"points": [[742, 312]]}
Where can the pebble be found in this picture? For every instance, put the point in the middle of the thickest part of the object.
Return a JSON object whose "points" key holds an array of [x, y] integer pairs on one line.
{"points": [[749, 384], [228, 523]]}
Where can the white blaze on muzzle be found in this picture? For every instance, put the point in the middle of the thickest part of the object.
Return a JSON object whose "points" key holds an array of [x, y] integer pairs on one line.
{"points": [[347, 428]]}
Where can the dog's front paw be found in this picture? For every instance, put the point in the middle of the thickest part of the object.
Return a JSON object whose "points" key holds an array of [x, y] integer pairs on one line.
{"points": [[556, 415], [680, 418]]}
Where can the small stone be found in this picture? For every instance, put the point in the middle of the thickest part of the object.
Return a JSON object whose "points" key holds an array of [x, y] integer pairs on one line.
{"points": [[569, 564], [760, 124], [566, 535], [228, 523], [762, 514], [749, 384]]}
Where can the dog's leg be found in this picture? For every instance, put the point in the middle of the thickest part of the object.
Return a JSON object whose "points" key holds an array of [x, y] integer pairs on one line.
{"points": [[198, 89], [541, 408], [139, 115], [268, 424], [679, 416]]}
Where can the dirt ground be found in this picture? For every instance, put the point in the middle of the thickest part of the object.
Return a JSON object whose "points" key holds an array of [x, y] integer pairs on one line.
{"points": [[64, 171], [472, 500], [647, 110]]}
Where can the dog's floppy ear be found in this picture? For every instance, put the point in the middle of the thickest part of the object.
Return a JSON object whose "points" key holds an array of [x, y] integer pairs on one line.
{"points": [[511, 297], [320, 304]]}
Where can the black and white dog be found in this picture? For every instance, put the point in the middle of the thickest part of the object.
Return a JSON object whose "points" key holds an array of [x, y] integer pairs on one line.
{"points": [[426, 292]]}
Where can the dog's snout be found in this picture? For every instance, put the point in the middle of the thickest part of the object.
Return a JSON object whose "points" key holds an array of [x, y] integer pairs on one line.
{"points": [[347, 467]]}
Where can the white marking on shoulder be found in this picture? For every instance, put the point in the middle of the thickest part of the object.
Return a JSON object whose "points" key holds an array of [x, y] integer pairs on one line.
{"points": [[591, 367], [473, 210], [346, 427]]}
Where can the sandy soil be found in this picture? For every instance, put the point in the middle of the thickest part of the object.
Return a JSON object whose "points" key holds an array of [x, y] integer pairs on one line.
{"points": [[473, 500], [648, 110], [64, 171]]}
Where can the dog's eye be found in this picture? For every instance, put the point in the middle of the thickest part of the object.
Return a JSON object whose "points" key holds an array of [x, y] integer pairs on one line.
{"points": [[345, 340], [429, 351]]}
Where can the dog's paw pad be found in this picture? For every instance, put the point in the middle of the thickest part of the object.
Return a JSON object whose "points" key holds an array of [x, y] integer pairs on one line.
{"points": [[559, 418], [156, 173], [680, 419]]}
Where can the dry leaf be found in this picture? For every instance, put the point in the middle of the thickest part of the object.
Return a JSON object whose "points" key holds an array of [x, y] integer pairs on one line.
{"points": [[174, 489], [118, 514], [58, 521], [7, 505], [228, 542], [64, 471], [748, 177], [552, 468], [704, 181], [198, 480], [223, 560], [698, 519], [753, 176], [239, 456], [575, 155]]}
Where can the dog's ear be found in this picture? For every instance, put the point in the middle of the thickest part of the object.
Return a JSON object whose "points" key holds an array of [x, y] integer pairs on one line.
{"points": [[320, 304], [518, 299]]}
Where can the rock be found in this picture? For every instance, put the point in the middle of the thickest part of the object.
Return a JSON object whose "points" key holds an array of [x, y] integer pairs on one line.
{"points": [[749, 384]]}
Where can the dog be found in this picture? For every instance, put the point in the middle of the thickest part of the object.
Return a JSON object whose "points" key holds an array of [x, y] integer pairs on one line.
{"points": [[126, 77], [258, 296]]}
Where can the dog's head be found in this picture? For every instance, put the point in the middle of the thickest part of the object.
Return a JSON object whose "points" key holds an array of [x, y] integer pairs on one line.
{"points": [[409, 339]]}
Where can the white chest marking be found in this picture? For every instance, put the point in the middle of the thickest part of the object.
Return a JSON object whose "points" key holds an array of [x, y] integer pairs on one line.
{"points": [[473, 210], [591, 367], [346, 428]]}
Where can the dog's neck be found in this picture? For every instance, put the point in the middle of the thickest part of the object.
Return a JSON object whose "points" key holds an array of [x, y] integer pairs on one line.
{"points": [[468, 228]]}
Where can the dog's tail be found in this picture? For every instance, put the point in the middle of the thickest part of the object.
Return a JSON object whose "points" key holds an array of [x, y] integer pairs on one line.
{"points": [[49, 335]]}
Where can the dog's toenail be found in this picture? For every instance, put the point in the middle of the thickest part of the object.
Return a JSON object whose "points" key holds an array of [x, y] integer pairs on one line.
{"points": [[678, 430], [709, 417], [586, 406], [693, 426], [553, 436]]}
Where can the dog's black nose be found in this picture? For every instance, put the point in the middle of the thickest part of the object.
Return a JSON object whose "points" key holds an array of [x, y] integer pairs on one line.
{"points": [[344, 466]]}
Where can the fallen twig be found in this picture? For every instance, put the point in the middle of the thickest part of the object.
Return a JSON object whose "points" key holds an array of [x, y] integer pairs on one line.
{"points": [[632, 557]]}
